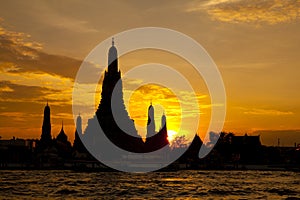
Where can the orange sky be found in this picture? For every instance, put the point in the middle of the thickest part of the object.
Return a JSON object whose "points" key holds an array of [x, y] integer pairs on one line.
{"points": [[255, 44]]}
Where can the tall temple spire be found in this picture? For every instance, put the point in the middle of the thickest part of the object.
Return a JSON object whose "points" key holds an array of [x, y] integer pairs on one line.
{"points": [[78, 145], [46, 127], [79, 124], [156, 140], [121, 131], [163, 121], [151, 122], [113, 58]]}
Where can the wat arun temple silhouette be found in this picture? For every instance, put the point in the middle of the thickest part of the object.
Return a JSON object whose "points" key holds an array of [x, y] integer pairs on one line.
{"points": [[231, 152], [113, 117]]}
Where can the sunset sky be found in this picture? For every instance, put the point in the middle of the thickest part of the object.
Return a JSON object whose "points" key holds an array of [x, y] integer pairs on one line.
{"points": [[254, 43]]}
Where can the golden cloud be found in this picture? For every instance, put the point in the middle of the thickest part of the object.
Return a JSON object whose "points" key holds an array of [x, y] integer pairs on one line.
{"points": [[250, 11], [19, 88], [267, 112], [5, 88], [37, 78], [19, 43]]}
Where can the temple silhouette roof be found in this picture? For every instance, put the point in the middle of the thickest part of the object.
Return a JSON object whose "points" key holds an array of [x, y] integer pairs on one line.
{"points": [[62, 136]]}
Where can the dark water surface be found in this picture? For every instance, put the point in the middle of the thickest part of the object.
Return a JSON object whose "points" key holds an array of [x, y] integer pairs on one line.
{"points": [[63, 184]]}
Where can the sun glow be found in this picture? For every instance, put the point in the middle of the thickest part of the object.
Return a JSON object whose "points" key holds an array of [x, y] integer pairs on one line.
{"points": [[163, 100], [171, 135]]}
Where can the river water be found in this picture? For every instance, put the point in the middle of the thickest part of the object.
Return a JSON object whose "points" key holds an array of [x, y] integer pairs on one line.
{"points": [[63, 184]]}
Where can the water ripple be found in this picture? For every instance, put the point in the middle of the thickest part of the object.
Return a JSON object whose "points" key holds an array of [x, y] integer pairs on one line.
{"points": [[62, 184]]}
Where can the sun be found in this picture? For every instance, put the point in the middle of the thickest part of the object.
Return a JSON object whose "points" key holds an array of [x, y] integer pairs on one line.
{"points": [[171, 135]]}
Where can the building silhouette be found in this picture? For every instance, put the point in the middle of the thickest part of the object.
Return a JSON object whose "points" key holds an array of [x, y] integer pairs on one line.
{"points": [[50, 151], [78, 146], [113, 117], [156, 140], [230, 151], [150, 122], [62, 145], [163, 133], [163, 121], [46, 138], [62, 137]]}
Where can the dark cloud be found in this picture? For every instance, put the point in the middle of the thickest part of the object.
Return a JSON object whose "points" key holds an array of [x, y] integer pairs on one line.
{"points": [[24, 93], [17, 48]]}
